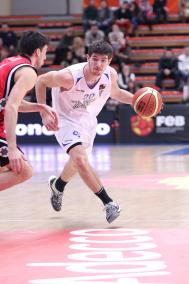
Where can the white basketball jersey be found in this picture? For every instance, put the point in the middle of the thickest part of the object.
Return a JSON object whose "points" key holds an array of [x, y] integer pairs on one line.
{"points": [[82, 103]]}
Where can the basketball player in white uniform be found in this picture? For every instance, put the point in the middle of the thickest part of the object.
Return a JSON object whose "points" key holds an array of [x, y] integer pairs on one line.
{"points": [[79, 92]]}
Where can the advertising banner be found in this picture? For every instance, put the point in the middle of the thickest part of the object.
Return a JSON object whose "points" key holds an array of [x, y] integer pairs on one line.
{"points": [[171, 125], [30, 130]]}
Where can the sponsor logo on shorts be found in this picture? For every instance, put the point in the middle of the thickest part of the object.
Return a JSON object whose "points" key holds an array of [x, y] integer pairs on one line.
{"points": [[65, 144], [76, 133]]}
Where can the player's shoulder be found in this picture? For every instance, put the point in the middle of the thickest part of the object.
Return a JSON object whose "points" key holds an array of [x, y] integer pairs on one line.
{"points": [[63, 77], [112, 70], [74, 70], [64, 74], [26, 71], [113, 73], [76, 67]]}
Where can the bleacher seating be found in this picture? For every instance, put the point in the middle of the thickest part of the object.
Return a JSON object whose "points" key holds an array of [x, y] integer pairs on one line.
{"points": [[147, 45], [169, 29], [147, 48]]}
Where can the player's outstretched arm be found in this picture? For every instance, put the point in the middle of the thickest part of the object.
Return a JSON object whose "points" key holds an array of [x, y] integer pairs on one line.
{"points": [[62, 78], [51, 79], [117, 93], [26, 106], [52, 123]]}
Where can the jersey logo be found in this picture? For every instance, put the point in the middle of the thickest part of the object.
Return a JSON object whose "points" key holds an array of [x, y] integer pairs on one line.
{"points": [[82, 91], [101, 89]]}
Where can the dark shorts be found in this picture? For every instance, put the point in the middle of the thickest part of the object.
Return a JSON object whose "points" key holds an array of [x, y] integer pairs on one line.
{"points": [[4, 160]]}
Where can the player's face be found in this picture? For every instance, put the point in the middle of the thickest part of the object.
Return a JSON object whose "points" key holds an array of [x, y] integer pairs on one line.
{"points": [[41, 56], [98, 63]]}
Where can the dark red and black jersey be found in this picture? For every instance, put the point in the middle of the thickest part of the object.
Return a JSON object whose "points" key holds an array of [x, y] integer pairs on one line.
{"points": [[8, 67]]}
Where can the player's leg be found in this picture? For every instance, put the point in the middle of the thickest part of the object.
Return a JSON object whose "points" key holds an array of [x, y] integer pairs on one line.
{"points": [[67, 137], [79, 163], [57, 185], [8, 178], [71, 168], [71, 141], [79, 157], [69, 171]]}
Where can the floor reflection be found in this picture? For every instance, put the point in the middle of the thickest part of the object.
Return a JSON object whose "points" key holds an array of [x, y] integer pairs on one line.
{"points": [[49, 158], [131, 159]]}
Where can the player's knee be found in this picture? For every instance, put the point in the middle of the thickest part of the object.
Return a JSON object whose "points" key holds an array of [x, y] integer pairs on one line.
{"points": [[80, 161], [29, 173]]}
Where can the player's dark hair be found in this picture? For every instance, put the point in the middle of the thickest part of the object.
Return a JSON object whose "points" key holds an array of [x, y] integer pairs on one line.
{"points": [[30, 41], [101, 47]]}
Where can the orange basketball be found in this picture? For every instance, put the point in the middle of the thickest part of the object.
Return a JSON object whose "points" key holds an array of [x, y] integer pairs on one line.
{"points": [[147, 102]]}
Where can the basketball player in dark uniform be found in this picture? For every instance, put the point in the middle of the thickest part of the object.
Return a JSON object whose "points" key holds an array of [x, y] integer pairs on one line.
{"points": [[17, 77]]}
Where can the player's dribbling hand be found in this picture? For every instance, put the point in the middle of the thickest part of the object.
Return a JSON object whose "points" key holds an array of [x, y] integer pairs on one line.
{"points": [[50, 118]]}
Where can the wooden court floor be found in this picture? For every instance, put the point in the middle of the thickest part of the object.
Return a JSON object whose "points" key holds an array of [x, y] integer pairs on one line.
{"points": [[151, 184]]}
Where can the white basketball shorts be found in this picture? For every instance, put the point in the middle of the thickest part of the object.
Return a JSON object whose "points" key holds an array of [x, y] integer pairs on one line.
{"points": [[70, 135]]}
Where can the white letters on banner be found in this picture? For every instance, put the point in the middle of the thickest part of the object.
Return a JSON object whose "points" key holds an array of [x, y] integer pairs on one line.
{"points": [[37, 129]]}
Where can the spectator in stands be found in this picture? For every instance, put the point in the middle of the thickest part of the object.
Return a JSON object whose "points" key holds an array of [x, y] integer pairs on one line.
{"points": [[64, 45], [183, 65], [123, 17], [70, 59], [9, 38], [128, 1], [122, 55], [4, 53], [160, 10], [125, 76], [94, 34], [1, 44], [184, 9], [132, 86], [134, 8], [90, 15], [105, 17], [126, 81], [146, 13], [116, 37], [79, 48], [168, 68]]}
